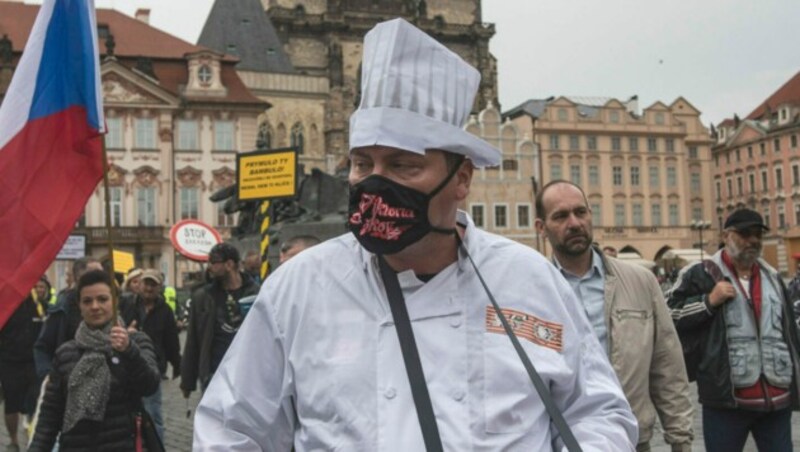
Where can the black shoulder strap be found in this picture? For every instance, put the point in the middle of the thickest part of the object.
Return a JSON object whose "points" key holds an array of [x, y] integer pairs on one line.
{"points": [[419, 390]]}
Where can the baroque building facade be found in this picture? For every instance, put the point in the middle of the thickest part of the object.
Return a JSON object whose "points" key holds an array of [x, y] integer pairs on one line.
{"points": [[306, 57], [757, 165], [177, 115], [645, 174]]}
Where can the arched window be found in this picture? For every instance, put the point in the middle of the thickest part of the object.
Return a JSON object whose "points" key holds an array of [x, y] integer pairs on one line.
{"points": [[297, 139]]}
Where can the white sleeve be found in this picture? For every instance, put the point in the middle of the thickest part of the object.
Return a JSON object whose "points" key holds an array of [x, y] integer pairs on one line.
{"points": [[248, 405], [592, 400]]}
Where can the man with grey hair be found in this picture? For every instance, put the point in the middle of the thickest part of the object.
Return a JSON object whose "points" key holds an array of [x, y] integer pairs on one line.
{"points": [[397, 335], [739, 340]]}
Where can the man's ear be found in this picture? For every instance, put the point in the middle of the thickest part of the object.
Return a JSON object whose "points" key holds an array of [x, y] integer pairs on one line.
{"points": [[463, 179], [539, 225]]}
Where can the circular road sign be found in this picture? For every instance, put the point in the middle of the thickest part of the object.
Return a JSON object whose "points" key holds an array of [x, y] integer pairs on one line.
{"points": [[194, 239]]}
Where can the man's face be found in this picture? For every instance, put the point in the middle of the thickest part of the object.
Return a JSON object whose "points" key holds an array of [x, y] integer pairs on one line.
{"points": [[290, 251], [744, 246], [567, 220], [41, 290], [252, 263], [89, 267], [219, 269], [150, 289], [420, 172]]}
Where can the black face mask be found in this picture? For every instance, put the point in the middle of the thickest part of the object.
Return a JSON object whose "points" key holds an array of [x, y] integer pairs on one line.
{"points": [[386, 217]]}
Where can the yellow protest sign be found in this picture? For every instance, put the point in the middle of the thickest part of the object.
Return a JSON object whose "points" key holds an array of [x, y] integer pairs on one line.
{"points": [[123, 261], [267, 175]]}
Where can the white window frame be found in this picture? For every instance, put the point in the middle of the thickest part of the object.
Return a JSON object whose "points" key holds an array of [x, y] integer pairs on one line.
{"points": [[145, 133], [115, 136], [504, 206], [187, 135], [482, 206], [147, 215], [224, 140], [527, 206], [189, 200]]}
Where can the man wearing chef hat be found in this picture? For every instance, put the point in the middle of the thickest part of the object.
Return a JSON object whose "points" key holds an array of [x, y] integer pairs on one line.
{"points": [[388, 338]]}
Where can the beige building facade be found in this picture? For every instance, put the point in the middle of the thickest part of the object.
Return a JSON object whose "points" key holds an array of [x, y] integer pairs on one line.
{"points": [[645, 173]]}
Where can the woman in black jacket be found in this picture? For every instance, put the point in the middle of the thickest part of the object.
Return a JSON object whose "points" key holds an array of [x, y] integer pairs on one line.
{"points": [[93, 396]]}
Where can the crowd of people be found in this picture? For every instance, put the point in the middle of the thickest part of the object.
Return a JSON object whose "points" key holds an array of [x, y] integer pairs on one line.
{"points": [[418, 330], [79, 373]]}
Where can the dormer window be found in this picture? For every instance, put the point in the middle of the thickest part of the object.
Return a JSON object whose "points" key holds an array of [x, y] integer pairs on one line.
{"points": [[204, 74]]}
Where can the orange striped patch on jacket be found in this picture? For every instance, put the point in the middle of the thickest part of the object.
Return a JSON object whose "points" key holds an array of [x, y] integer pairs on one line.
{"points": [[527, 326]]}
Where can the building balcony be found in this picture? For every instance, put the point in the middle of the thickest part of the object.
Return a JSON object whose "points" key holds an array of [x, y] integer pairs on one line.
{"points": [[123, 235]]}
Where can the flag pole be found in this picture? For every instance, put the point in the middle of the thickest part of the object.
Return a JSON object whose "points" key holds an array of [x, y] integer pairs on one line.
{"points": [[109, 241]]}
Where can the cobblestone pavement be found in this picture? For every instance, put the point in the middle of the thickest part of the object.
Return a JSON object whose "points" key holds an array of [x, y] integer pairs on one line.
{"points": [[179, 428]]}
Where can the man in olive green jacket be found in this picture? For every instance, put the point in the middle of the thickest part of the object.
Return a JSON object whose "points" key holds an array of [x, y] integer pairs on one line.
{"points": [[626, 308]]}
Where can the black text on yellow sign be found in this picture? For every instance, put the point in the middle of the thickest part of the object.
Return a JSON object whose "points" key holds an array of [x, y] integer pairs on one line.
{"points": [[267, 175]]}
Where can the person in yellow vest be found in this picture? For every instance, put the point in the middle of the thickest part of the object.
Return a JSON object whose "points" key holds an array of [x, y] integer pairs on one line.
{"points": [[170, 296]]}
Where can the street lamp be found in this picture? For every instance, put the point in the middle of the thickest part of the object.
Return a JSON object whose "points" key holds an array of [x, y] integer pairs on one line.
{"points": [[699, 225]]}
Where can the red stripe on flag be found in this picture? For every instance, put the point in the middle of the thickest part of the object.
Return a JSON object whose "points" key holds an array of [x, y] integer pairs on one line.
{"points": [[47, 173]]}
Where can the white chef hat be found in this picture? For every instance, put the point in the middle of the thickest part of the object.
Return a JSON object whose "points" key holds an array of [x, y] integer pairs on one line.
{"points": [[416, 94]]}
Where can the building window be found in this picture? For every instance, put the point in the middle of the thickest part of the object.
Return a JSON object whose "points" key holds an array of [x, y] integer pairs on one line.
{"points": [[574, 142], [739, 186], [146, 206], [478, 215], [670, 143], [637, 215], [660, 118], [616, 173], [797, 213], [187, 135], [619, 215], [766, 216], [751, 178], [697, 213], [672, 178], [224, 139], [115, 203], [776, 143], [738, 155], [793, 140], [652, 145], [500, 216], [145, 137], [594, 176], [781, 216], [764, 184], [575, 174], [750, 152], [114, 134], [205, 74], [616, 144], [695, 183], [591, 143], [264, 136], [728, 157], [763, 148], [297, 139], [655, 180], [554, 142], [596, 215], [673, 214], [729, 182], [562, 114], [779, 178], [795, 175], [188, 203], [613, 116], [555, 171], [223, 219], [719, 190], [655, 214], [523, 216], [510, 164], [693, 152], [634, 176], [633, 144]]}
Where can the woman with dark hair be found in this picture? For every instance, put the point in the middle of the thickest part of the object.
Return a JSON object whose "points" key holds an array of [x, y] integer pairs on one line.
{"points": [[93, 396]]}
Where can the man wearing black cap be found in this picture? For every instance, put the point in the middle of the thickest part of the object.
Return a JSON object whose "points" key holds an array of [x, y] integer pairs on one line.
{"points": [[214, 317], [740, 340]]}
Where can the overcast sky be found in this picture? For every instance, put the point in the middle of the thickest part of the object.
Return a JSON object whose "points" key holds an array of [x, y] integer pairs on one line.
{"points": [[723, 56]]}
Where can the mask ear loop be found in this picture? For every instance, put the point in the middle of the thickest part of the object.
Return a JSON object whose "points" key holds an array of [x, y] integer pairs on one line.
{"points": [[544, 393], [440, 187]]}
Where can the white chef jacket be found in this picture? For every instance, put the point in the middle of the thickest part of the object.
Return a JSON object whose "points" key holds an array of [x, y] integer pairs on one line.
{"points": [[317, 363]]}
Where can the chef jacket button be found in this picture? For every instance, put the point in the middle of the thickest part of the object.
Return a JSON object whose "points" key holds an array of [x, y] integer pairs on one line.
{"points": [[455, 322], [389, 393], [458, 395]]}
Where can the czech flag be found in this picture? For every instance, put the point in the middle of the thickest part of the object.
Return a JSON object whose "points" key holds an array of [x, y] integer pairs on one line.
{"points": [[51, 123]]}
